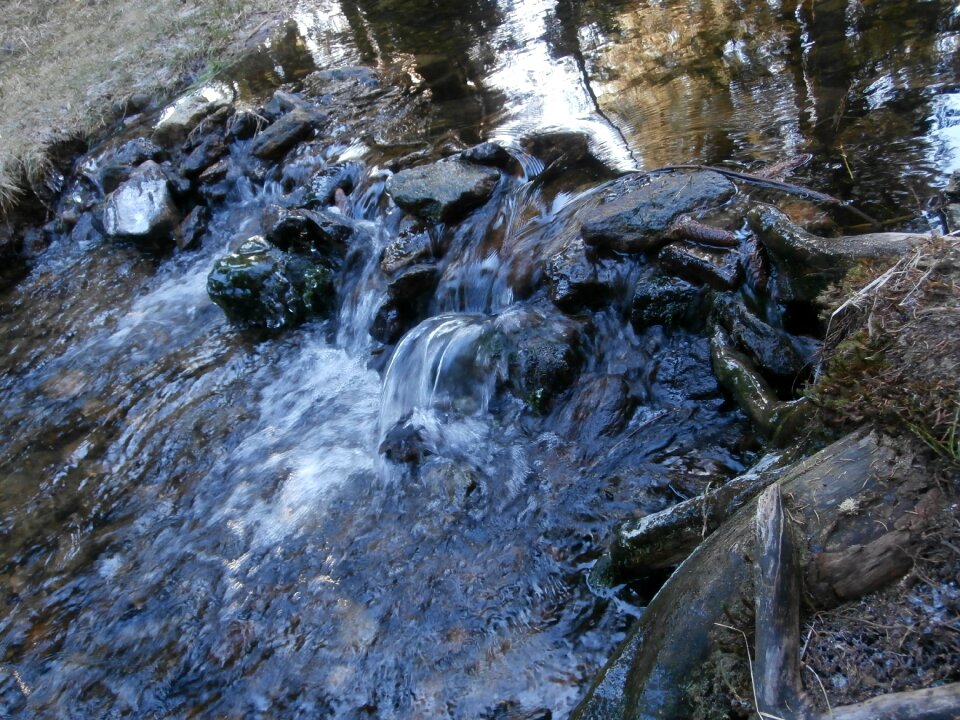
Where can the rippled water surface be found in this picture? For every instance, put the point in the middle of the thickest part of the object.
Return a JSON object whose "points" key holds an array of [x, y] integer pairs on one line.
{"points": [[196, 521]]}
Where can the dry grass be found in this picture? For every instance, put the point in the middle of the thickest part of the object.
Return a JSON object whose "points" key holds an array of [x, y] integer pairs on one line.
{"points": [[67, 66], [892, 354]]}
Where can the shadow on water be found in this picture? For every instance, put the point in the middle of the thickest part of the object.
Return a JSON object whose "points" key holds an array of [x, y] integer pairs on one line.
{"points": [[198, 522]]}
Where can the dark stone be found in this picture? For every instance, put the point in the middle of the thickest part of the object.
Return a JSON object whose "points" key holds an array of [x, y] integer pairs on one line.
{"points": [[284, 133], [324, 234], [358, 74], [324, 183], [563, 147], [280, 104], [660, 300], [682, 371], [600, 405], [579, 281], [179, 185], [777, 353], [405, 443], [210, 149], [244, 125], [412, 282], [444, 191], [407, 249], [215, 173], [491, 154], [260, 286], [719, 269], [636, 211], [391, 321], [116, 167], [193, 227], [544, 356], [142, 208]]}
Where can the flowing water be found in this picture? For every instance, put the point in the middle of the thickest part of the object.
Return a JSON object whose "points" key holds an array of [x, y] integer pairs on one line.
{"points": [[197, 522]]}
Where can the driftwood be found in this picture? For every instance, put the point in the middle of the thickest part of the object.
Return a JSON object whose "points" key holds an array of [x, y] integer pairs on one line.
{"points": [[855, 492]]}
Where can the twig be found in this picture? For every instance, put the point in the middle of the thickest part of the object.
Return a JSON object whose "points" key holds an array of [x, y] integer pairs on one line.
{"points": [[753, 685]]}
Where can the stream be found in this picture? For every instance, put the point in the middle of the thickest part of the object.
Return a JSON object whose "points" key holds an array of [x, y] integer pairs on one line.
{"points": [[200, 520]]}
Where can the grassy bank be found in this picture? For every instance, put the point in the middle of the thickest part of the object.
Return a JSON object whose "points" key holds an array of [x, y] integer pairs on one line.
{"points": [[68, 68]]}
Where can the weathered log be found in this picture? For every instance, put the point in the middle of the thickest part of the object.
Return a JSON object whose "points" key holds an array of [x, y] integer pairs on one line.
{"points": [[939, 703], [671, 641]]}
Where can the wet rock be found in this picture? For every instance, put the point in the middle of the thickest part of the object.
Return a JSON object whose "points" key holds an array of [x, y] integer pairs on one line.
{"points": [[409, 248], [179, 186], [560, 148], [391, 321], [578, 280], [444, 191], [659, 300], [449, 483], [279, 104], [215, 173], [491, 154], [637, 210], [193, 227], [719, 269], [358, 74], [776, 352], [414, 281], [260, 286], [142, 208], [205, 154], [244, 125], [405, 442], [599, 406], [178, 119], [286, 132], [544, 356], [806, 264], [682, 372], [116, 167], [325, 182], [321, 233]]}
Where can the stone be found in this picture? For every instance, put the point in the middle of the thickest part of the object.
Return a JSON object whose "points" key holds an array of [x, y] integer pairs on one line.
{"points": [[261, 286], [807, 264], [659, 300], [406, 442], [320, 233], [275, 140], [142, 208], [600, 406], [193, 227], [414, 281], [443, 191], [578, 280], [720, 269], [775, 351], [324, 183], [390, 322], [561, 147], [636, 211], [244, 125], [210, 149], [409, 248], [491, 154], [179, 118]]}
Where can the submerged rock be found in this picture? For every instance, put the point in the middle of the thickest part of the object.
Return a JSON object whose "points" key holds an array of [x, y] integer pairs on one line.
{"points": [[637, 210], [260, 286], [600, 406], [444, 191], [491, 154], [806, 264], [142, 208]]}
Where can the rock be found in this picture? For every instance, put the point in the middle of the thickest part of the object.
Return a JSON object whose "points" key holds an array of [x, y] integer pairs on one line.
{"points": [[414, 281], [193, 227], [720, 269], [279, 104], [544, 356], [178, 119], [659, 300], [491, 154], [562, 148], [681, 372], [260, 286], [215, 173], [578, 280], [325, 182], [806, 264], [600, 405], [443, 191], [321, 233], [637, 210], [406, 442], [244, 125], [408, 298], [286, 132], [779, 420], [115, 167], [776, 352], [210, 149], [142, 208], [390, 322], [407, 249]]}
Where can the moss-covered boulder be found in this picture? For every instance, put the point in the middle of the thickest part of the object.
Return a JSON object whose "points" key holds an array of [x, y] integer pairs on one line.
{"points": [[261, 286]]}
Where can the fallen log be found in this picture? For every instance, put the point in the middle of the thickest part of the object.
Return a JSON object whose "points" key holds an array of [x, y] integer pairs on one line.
{"points": [[851, 493]]}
